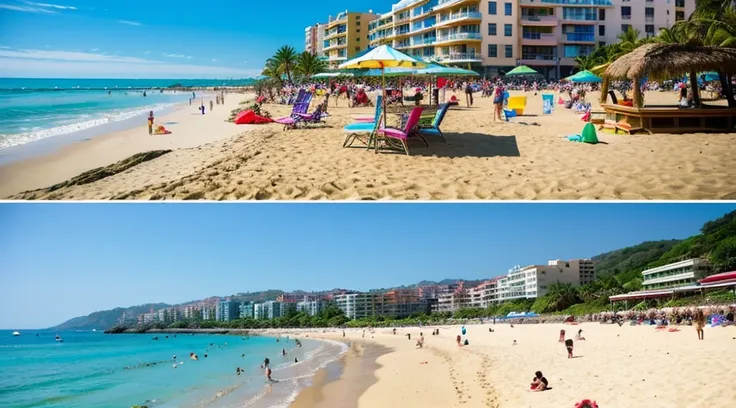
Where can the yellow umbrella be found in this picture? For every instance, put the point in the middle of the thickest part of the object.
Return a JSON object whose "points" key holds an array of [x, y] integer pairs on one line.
{"points": [[382, 57]]}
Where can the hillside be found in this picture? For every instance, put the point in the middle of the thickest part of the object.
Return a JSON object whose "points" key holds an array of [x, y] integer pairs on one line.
{"points": [[106, 318], [626, 264]]}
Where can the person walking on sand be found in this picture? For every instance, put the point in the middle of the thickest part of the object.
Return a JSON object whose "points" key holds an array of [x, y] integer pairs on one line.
{"points": [[210, 105], [498, 102], [699, 321], [568, 346], [150, 122]]}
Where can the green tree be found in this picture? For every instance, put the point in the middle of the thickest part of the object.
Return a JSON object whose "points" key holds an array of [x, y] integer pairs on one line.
{"points": [[285, 60], [308, 65]]}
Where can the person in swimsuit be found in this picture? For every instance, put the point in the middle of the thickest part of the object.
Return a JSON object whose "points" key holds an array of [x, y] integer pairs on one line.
{"points": [[568, 345], [562, 336], [699, 323], [539, 383], [498, 102], [268, 374], [150, 122]]}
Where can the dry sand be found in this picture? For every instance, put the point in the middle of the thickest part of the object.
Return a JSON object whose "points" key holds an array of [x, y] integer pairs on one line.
{"points": [[190, 130], [484, 160], [616, 366]]}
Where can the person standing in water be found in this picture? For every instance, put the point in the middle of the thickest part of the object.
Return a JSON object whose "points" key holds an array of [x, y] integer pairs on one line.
{"points": [[150, 122], [210, 105]]}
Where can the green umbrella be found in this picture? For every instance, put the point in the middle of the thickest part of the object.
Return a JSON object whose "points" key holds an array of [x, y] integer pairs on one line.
{"points": [[522, 70], [584, 76]]}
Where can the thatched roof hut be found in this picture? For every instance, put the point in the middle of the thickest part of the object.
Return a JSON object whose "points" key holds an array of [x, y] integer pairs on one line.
{"points": [[662, 61]]}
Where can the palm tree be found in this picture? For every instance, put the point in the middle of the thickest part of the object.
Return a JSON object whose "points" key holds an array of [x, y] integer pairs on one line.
{"points": [[586, 62], [629, 40], [286, 59], [561, 296], [308, 64]]}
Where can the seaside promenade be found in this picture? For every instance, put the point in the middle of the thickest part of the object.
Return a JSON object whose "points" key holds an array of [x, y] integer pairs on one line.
{"points": [[616, 366], [529, 157]]}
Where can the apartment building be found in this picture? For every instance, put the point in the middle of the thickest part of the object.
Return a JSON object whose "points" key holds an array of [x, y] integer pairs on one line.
{"points": [[345, 35], [492, 37], [483, 295], [227, 310], [311, 307], [682, 273], [247, 310], [359, 305], [455, 298], [314, 37], [533, 281]]}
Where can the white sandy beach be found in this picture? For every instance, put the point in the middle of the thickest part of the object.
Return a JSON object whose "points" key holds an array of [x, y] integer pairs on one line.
{"points": [[616, 366], [528, 158]]}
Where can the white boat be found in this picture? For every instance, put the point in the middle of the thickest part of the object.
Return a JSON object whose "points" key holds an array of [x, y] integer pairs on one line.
{"points": [[58, 338], [15, 333]]}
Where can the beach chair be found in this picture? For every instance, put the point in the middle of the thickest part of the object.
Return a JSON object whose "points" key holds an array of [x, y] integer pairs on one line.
{"points": [[312, 118], [402, 136], [291, 121], [518, 104], [379, 101], [360, 130], [434, 128]]}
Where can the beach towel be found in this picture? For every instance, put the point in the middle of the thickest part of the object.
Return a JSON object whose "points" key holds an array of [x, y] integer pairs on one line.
{"points": [[560, 101], [249, 117]]}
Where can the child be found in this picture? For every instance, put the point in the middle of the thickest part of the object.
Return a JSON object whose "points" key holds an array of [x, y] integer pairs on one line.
{"points": [[568, 345], [562, 336], [539, 383], [580, 335], [458, 339], [150, 122]]}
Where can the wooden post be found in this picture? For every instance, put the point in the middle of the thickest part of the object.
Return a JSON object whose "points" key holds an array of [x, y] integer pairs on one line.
{"points": [[637, 93], [604, 89], [694, 87]]}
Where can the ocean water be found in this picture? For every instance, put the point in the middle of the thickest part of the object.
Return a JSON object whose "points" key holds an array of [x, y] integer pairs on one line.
{"points": [[36, 109], [92, 369]]}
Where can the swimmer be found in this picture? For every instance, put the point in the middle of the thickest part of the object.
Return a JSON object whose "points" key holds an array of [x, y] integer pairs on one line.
{"points": [[283, 352], [238, 371], [295, 360], [205, 355], [174, 356]]}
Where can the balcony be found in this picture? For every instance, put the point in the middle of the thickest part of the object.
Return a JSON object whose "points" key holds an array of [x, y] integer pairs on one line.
{"points": [[424, 42], [538, 59], [422, 28], [457, 57], [544, 39], [602, 3], [458, 37], [580, 37], [451, 18], [336, 33], [402, 44], [335, 46], [444, 4], [339, 57], [540, 21], [649, 19], [625, 16]]}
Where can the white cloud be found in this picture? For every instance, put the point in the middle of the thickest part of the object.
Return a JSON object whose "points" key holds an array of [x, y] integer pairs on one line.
{"points": [[94, 49], [26, 9], [130, 23], [174, 55], [4, 47], [69, 56], [214, 60], [147, 52], [51, 6], [189, 57]]}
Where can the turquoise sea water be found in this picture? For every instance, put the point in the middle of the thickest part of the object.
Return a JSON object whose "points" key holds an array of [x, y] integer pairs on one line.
{"points": [[91, 369], [35, 109]]}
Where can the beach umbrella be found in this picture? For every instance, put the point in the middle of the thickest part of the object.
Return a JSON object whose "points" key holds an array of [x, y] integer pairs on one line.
{"points": [[522, 70], [382, 57], [584, 76]]}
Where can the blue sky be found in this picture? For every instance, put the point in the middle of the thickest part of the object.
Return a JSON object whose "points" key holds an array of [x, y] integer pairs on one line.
{"points": [[65, 260], [154, 38]]}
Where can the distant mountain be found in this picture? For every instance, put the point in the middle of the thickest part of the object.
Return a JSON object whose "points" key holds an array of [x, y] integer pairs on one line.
{"points": [[107, 318], [632, 258]]}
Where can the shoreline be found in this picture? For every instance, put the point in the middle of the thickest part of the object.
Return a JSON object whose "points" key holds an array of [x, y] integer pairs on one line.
{"points": [[190, 130]]}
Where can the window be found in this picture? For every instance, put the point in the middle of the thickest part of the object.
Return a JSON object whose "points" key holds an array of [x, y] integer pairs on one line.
{"points": [[492, 8], [601, 43], [602, 14], [491, 28], [625, 12], [492, 50], [357, 23], [601, 30], [507, 30], [625, 27], [509, 51], [506, 9], [649, 29]]}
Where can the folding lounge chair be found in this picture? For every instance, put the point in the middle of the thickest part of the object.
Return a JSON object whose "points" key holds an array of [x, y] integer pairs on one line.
{"points": [[362, 129], [434, 128], [314, 117], [392, 134], [290, 121]]}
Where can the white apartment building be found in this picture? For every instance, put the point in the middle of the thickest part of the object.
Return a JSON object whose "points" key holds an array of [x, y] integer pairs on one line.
{"points": [[310, 307], [533, 281], [452, 301], [358, 305], [259, 311], [314, 37], [483, 295], [682, 273]]}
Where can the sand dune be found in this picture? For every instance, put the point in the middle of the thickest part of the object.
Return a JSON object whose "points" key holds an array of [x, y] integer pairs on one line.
{"points": [[484, 160]]}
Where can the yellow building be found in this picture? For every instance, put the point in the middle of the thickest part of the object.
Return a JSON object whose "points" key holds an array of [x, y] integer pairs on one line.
{"points": [[345, 35]]}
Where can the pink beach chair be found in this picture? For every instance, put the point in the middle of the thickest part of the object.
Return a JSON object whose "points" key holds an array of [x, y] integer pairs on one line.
{"points": [[403, 135]]}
